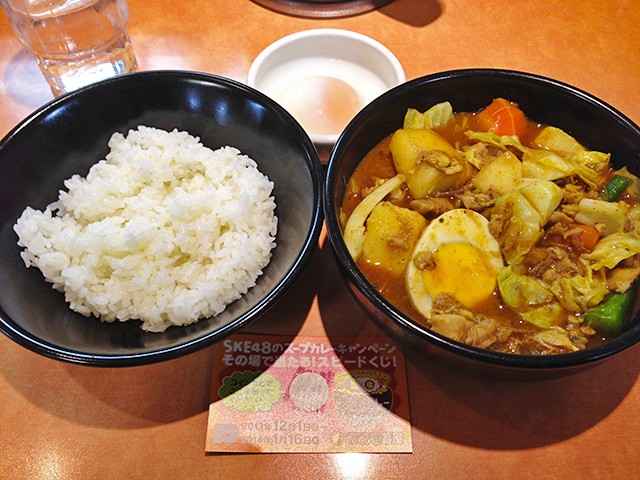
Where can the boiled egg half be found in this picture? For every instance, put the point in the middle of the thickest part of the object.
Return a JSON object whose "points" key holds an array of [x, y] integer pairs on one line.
{"points": [[456, 254]]}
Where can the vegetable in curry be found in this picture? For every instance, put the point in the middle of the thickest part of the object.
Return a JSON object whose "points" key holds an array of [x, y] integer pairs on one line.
{"points": [[497, 231]]}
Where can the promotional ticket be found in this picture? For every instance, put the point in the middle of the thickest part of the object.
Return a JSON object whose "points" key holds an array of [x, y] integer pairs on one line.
{"points": [[309, 394]]}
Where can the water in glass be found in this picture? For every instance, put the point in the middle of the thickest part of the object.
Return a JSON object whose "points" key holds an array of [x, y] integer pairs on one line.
{"points": [[76, 42]]}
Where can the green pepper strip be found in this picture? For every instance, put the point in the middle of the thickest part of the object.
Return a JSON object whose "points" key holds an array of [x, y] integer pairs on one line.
{"points": [[613, 314], [614, 188]]}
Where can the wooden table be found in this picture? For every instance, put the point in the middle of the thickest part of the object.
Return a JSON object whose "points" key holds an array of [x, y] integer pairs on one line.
{"points": [[62, 421]]}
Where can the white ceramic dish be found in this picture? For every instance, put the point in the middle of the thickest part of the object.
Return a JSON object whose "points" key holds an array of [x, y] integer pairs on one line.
{"points": [[324, 77]]}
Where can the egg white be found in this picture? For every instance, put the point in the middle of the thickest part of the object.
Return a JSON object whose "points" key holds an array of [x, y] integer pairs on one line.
{"points": [[454, 226]]}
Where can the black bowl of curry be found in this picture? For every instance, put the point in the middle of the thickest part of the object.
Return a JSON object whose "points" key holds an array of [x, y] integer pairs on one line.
{"points": [[491, 216]]}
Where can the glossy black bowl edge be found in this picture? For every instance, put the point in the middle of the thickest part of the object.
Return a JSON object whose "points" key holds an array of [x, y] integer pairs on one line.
{"points": [[400, 327], [24, 339]]}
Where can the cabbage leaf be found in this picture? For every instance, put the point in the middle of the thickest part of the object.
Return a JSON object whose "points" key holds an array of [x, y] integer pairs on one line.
{"points": [[522, 291], [546, 316], [530, 297], [525, 294], [438, 115], [613, 249], [579, 293], [521, 226], [544, 164], [634, 185]]}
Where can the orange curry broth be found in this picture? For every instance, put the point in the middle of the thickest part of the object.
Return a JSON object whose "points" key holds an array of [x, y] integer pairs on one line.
{"points": [[378, 164]]}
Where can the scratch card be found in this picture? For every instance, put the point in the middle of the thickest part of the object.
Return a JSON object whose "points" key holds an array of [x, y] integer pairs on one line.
{"points": [[308, 394]]}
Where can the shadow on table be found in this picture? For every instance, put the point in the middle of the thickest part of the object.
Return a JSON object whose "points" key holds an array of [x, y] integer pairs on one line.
{"points": [[142, 396], [512, 415], [118, 398], [418, 13], [445, 402], [487, 411], [24, 82]]}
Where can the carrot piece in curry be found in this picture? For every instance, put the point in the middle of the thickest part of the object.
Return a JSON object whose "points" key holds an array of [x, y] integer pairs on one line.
{"points": [[503, 117]]}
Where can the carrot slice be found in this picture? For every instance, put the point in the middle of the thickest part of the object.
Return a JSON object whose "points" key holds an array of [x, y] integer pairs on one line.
{"points": [[503, 117], [588, 235]]}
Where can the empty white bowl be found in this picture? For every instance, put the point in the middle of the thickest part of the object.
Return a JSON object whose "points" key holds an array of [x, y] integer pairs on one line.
{"points": [[324, 77]]}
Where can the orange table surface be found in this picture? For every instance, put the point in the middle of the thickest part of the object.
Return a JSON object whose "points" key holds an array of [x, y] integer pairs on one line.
{"points": [[63, 421]]}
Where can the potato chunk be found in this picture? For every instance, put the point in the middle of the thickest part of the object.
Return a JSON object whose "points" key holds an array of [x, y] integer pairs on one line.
{"points": [[611, 214], [391, 235], [502, 174], [558, 141], [429, 162], [543, 195]]}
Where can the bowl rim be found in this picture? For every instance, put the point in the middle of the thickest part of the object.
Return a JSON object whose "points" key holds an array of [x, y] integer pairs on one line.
{"points": [[309, 9], [158, 354], [357, 280], [283, 42]]}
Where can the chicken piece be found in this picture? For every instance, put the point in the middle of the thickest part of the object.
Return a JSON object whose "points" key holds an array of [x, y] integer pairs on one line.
{"points": [[447, 304], [479, 201], [555, 339], [482, 334], [451, 325], [497, 223], [482, 153], [424, 260], [434, 206], [573, 193], [620, 279], [565, 215], [551, 263]]}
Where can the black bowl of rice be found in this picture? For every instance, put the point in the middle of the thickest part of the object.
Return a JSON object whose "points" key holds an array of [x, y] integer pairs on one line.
{"points": [[151, 215]]}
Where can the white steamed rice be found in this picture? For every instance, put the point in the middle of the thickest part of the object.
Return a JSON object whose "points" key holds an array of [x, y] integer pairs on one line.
{"points": [[164, 230]]}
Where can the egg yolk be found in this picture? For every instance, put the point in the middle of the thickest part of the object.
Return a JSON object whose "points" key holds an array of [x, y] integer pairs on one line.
{"points": [[460, 269], [323, 105]]}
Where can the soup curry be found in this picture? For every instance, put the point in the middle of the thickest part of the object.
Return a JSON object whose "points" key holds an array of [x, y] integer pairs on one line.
{"points": [[497, 231]]}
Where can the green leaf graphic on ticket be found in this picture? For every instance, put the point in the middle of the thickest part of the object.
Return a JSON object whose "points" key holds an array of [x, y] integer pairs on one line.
{"points": [[255, 391]]}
